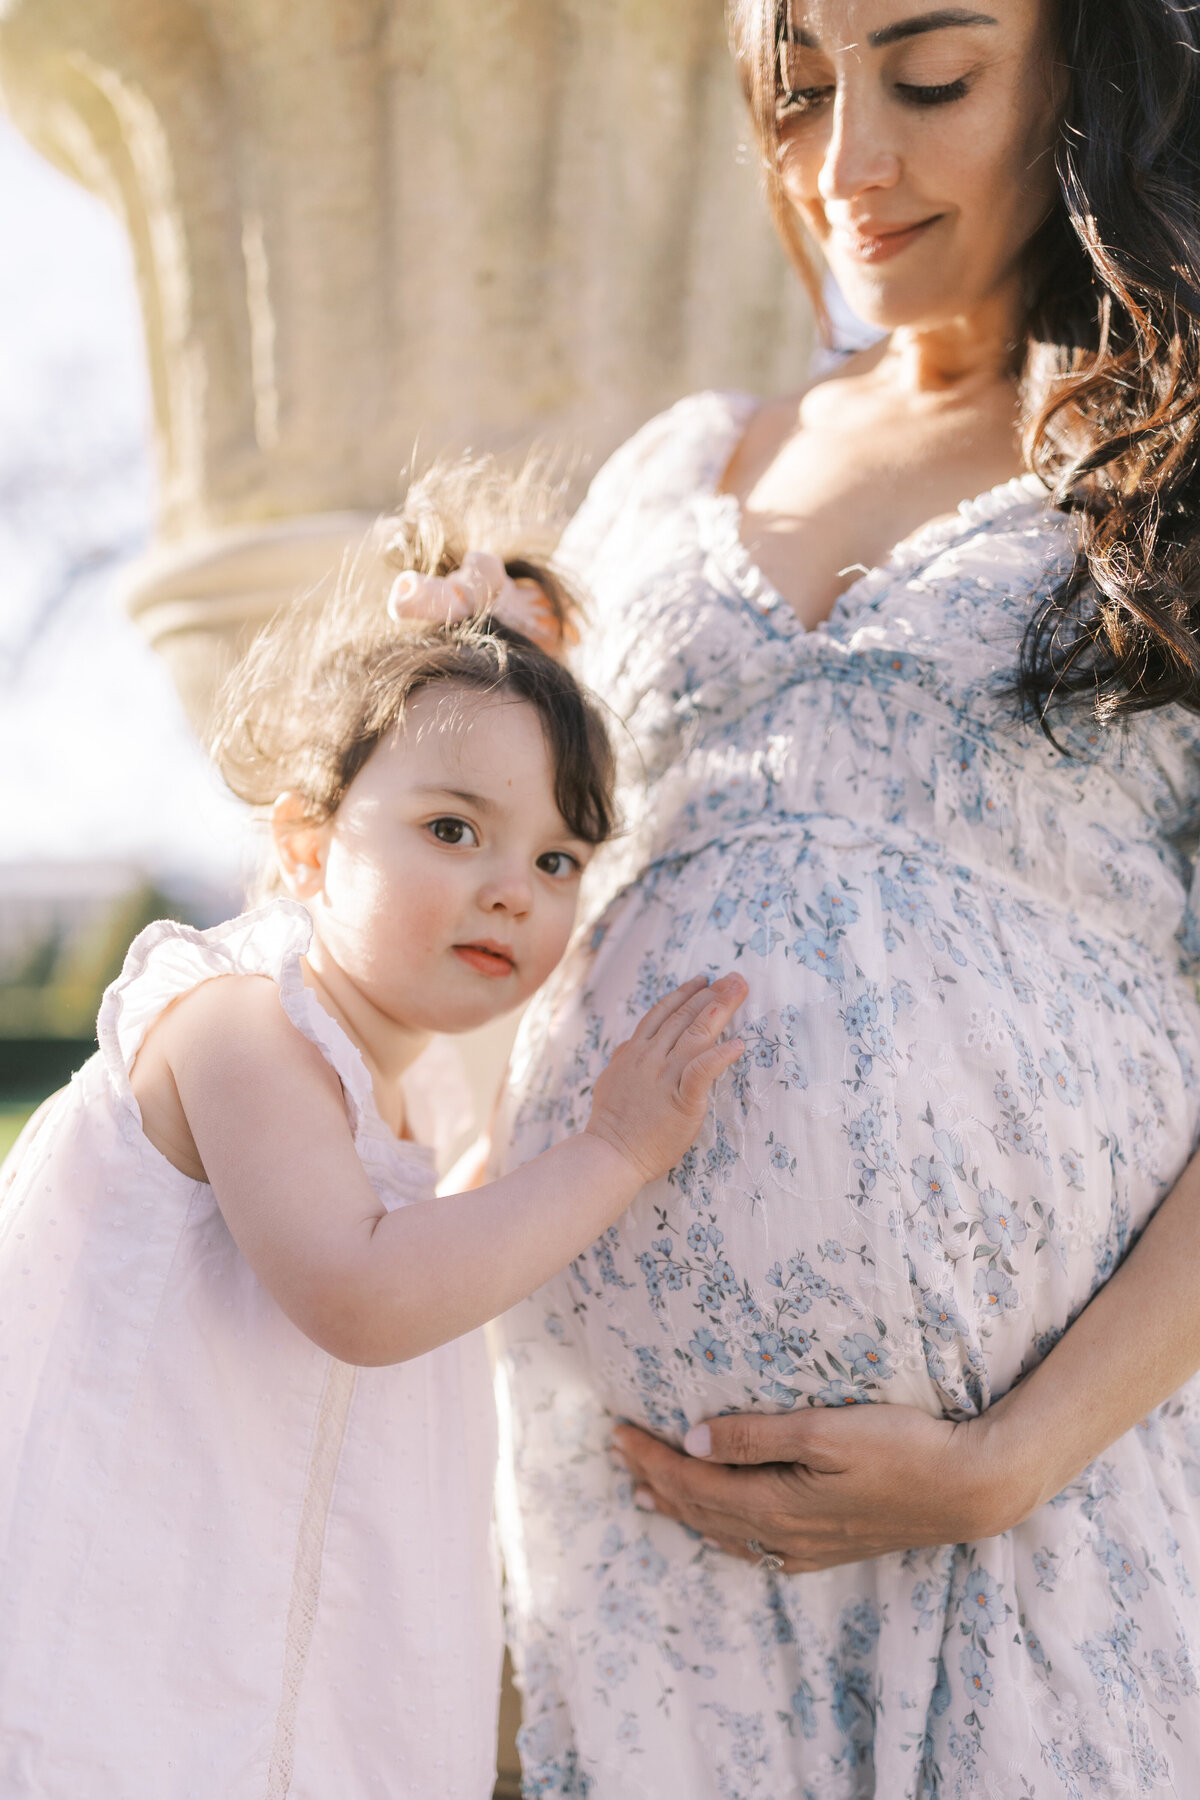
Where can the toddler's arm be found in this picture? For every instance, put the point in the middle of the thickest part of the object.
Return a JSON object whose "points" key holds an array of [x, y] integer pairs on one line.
{"points": [[268, 1120], [470, 1169]]}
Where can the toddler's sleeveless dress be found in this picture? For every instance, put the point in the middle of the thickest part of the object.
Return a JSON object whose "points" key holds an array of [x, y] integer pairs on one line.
{"points": [[231, 1567], [971, 1072]]}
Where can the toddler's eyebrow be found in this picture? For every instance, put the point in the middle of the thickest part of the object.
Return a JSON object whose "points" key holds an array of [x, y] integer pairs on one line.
{"points": [[479, 801]]}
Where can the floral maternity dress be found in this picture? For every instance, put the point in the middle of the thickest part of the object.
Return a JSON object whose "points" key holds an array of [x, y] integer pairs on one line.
{"points": [[971, 1072]]}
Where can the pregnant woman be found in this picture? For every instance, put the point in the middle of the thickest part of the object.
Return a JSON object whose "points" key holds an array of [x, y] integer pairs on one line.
{"points": [[926, 769]]}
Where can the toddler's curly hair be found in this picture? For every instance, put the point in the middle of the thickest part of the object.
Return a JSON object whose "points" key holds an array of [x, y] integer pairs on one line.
{"points": [[330, 677]]}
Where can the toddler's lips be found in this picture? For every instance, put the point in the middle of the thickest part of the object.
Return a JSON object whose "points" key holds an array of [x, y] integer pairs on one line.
{"points": [[486, 958]]}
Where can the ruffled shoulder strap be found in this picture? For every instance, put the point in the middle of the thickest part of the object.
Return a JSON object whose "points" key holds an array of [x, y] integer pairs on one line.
{"points": [[678, 454], [168, 959]]}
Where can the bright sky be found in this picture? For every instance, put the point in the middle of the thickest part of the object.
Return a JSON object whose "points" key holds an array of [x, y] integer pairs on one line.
{"points": [[96, 758]]}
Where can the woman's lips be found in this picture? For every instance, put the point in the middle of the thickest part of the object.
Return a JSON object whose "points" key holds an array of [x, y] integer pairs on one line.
{"points": [[879, 245], [486, 958]]}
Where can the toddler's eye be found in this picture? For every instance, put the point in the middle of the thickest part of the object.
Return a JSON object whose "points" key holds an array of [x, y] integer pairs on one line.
{"points": [[559, 864], [453, 831]]}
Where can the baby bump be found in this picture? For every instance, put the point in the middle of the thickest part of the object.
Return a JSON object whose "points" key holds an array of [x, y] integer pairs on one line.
{"points": [[954, 1107]]}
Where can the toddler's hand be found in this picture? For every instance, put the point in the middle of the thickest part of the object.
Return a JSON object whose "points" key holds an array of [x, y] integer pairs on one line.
{"points": [[651, 1099]]}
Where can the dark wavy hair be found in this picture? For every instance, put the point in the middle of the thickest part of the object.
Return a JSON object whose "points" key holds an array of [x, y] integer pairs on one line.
{"points": [[1111, 360]]}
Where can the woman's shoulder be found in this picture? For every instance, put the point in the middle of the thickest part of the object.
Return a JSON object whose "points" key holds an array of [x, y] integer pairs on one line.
{"points": [[698, 431], [677, 454]]}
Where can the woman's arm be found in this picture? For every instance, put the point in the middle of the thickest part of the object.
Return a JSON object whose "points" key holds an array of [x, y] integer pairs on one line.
{"points": [[843, 1484]]}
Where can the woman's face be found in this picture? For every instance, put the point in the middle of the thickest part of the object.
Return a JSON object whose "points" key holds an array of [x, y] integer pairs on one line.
{"points": [[917, 143]]}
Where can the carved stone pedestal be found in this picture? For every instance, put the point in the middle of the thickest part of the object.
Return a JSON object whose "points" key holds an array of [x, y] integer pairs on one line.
{"points": [[364, 225], [361, 226]]}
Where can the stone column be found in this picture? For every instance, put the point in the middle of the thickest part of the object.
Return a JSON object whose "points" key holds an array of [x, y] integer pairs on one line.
{"points": [[364, 225], [361, 226]]}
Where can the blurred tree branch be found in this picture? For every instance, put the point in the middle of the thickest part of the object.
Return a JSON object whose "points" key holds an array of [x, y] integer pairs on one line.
{"points": [[75, 501]]}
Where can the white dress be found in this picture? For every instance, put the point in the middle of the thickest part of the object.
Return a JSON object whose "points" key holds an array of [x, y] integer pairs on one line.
{"points": [[231, 1567], [971, 1073]]}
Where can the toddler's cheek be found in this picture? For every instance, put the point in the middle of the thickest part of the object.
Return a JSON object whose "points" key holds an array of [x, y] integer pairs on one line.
{"points": [[422, 931], [548, 952], [388, 931]]}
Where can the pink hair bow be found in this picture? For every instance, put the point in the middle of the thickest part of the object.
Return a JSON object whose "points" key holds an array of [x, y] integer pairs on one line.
{"points": [[481, 584]]}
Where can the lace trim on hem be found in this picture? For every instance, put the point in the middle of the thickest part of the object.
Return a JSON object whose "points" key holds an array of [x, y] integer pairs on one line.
{"points": [[330, 1431]]}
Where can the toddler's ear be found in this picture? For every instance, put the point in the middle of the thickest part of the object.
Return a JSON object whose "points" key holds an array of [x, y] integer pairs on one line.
{"points": [[299, 845]]}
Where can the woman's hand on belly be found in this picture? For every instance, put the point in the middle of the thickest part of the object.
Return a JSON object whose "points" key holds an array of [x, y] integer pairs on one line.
{"points": [[835, 1485], [844, 1484], [829, 1485]]}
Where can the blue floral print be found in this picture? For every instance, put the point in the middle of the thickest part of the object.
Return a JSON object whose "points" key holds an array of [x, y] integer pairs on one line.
{"points": [[971, 1043]]}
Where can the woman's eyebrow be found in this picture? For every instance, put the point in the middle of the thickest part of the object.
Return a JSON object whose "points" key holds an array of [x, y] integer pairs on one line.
{"points": [[917, 26], [943, 19]]}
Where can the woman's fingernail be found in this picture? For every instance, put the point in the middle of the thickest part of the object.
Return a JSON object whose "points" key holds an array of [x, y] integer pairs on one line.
{"points": [[643, 1499], [698, 1441], [710, 1543], [617, 1457]]}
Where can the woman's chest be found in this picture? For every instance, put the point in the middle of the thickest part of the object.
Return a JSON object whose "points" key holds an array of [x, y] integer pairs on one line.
{"points": [[690, 633], [833, 490], [830, 504]]}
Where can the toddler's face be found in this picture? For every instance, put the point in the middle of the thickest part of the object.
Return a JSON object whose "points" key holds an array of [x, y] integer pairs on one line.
{"points": [[448, 881]]}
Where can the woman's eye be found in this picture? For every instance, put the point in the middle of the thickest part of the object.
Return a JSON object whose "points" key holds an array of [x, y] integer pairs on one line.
{"points": [[931, 96], [559, 864], [453, 831], [796, 102]]}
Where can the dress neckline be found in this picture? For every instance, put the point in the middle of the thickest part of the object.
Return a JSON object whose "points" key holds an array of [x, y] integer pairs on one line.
{"points": [[724, 538]]}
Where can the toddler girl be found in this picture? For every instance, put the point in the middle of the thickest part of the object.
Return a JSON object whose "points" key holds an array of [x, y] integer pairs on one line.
{"points": [[246, 1433]]}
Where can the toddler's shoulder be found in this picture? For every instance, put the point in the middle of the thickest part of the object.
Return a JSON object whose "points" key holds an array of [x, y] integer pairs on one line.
{"points": [[233, 1019], [169, 960]]}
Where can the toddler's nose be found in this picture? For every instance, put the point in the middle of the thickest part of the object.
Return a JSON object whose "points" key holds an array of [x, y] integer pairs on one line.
{"points": [[512, 893]]}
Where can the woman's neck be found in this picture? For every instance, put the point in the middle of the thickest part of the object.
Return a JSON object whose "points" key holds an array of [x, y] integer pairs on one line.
{"points": [[958, 357]]}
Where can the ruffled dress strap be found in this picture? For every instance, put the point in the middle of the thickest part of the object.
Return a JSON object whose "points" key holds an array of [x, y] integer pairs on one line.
{"points": [[673, 457], [167, 960]]}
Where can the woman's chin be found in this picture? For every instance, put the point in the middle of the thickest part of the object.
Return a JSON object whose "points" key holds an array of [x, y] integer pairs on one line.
{"points": [[886, 306], [890, 298]]}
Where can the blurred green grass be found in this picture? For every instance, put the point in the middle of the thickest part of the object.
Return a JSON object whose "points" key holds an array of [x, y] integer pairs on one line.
{"points": [[11, 1120], [49, 997]]}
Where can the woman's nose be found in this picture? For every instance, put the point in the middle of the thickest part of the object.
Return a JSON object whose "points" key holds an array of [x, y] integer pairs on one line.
{"points": [[859, 154]]}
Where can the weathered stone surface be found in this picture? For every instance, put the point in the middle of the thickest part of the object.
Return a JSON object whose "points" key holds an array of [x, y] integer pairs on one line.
{"points": [[364, 225], [361, 225], [360, 222]]}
